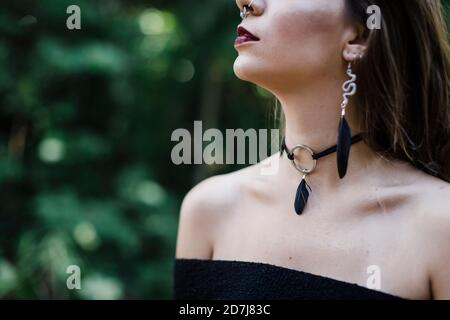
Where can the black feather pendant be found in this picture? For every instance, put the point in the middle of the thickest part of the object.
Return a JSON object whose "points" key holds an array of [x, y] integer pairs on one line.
{"points": [[343, 146], [301, 197]]}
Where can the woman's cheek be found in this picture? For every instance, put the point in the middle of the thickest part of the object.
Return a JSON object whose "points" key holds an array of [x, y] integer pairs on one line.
{"points": [[304, 37]]}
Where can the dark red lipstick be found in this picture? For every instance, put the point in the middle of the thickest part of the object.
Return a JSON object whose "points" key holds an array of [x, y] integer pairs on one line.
{"points": [[244, 36]]}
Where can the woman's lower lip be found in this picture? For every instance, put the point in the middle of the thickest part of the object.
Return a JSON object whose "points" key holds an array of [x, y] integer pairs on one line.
{"points": [[243, 39]]}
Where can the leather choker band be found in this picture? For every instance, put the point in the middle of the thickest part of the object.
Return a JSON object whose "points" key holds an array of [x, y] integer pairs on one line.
{"points": [[302, 194]]}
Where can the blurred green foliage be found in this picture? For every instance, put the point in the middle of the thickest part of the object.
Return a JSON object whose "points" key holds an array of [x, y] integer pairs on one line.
{"points": [[86, 119]]}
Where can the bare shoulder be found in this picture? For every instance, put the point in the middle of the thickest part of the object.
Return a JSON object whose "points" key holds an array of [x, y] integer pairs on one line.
{"points": [[432, 228], [424, 224], [434, 198], [207, 206], [426, 191], [429, 207]]}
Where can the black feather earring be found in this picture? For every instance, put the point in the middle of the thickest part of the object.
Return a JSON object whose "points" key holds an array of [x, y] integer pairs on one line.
{"points": [[344, 133]]}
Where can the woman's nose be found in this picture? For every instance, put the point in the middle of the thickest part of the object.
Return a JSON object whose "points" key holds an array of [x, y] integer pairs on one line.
{"points": [[256, 9]]}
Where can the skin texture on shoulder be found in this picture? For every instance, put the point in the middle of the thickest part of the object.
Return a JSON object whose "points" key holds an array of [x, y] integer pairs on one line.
{"points": [[204, 210], [199, 212], [433, 226], [211, 203], [427, 231]]}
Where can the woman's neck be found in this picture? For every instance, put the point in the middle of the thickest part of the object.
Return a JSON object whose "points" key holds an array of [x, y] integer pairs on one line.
{"points": [[312, 118]]}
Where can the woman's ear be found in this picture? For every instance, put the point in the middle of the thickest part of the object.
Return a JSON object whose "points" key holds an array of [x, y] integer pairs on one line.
{"points": [[355, 43]]}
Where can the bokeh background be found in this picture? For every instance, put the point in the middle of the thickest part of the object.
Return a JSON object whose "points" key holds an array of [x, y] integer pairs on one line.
{"points": [[86, 118]]}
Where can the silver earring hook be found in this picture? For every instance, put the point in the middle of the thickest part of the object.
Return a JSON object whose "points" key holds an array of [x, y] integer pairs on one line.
{"points": [[245, 11]]}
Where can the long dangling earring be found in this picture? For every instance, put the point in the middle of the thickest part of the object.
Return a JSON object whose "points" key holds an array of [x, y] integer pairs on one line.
{"points": [[344, 134]]}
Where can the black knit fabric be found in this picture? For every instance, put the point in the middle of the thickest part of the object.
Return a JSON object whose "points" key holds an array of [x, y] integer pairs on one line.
{"points": [[236, 280]]}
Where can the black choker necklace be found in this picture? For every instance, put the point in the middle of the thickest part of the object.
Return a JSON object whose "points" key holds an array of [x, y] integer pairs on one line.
{"points": [[302, 194]]}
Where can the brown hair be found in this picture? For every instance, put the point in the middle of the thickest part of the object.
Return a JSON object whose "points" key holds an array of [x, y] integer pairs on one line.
{"points": [[404, 83]]}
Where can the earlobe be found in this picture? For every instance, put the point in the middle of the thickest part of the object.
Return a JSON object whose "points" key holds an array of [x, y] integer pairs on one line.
{"points": [[353, 52]]}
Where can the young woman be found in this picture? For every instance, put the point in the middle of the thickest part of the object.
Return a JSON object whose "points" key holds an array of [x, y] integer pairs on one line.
{"points": [[364, 212]]}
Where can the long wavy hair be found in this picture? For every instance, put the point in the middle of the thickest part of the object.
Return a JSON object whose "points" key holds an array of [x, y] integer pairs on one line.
{"points": [[404, 83], [403, 99]]}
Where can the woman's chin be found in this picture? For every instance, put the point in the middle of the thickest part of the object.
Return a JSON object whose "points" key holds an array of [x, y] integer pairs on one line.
{"points": [[247, 71]]}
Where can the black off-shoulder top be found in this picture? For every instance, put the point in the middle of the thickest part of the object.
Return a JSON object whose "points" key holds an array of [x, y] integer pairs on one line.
{"points": [[196, 279]]}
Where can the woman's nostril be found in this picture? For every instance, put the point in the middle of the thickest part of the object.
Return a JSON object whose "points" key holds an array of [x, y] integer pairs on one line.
{"points": [[247, 10], [253, 7]]}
